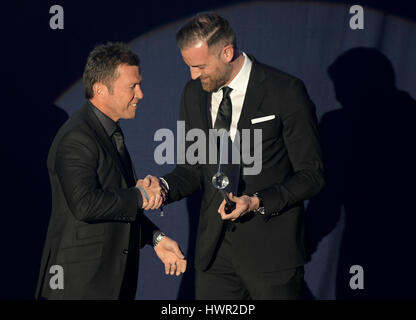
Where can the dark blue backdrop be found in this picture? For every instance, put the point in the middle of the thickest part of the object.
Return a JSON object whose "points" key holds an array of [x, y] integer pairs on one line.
{"points": [[363, 217]]}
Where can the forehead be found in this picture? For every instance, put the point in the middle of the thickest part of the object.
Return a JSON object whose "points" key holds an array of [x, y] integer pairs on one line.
{"points": [[128, 73], [198, 54]]}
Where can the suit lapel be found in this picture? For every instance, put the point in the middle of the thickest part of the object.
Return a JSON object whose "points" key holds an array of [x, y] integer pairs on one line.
{"points": [[207, 120], [204, 102], [254, 95], [105, 141]]}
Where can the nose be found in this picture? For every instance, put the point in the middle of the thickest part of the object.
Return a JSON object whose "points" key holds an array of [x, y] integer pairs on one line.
{"points": [[195, 73], [139, 93]]}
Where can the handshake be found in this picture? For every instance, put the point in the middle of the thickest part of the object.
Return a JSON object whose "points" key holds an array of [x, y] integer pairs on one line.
{"points": [[154, 192]]}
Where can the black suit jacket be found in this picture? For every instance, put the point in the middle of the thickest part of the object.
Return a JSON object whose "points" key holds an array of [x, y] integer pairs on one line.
{"points": [[96, 220], [292, 171]]}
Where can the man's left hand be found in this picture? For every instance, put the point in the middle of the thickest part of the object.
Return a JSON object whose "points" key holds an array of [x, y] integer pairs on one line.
{"points": [[171, 255], [243, 205]]}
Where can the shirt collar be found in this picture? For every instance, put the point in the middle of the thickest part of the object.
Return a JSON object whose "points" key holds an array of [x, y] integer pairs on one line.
{"points": [[108, 124], [240, 81]]}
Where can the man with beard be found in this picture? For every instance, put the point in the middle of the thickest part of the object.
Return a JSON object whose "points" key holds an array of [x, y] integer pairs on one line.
{"points": [[258, 250]]}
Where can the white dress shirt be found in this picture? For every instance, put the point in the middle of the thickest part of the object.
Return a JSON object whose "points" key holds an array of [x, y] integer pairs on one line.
{"points": [[239, 85]]}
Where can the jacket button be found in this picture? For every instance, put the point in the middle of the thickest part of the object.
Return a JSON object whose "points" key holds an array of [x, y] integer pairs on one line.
{"points": [[125, 251]]}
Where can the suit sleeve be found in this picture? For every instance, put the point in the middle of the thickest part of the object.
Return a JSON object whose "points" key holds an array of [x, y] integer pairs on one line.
{"points": [[185, 179], [148, 229], [301, 139], [76, 168]]}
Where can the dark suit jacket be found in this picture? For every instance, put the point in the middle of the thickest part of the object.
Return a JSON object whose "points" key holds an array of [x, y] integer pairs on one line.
{"points": [[292, 171], [96, 218]]}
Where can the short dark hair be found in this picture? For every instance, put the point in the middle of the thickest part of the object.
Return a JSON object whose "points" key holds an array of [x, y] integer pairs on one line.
{"points": [[102, 64], [208, 27]]}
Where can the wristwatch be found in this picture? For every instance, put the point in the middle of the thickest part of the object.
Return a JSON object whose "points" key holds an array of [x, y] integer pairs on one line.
{"points": [[157, 237], [260, 209]]}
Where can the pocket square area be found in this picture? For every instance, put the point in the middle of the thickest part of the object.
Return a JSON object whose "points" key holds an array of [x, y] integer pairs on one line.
{"points": [[262, 119]]}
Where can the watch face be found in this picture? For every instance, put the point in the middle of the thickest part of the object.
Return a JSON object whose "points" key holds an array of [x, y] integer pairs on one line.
{"points": [[260, 200], [158, 238]]}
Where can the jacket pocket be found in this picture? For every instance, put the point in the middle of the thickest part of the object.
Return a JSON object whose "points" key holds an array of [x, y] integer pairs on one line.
{"points": [[80, 253], [263, 119], [89, 231]]}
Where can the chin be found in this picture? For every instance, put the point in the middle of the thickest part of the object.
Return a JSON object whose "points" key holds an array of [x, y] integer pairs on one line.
{"points": [[130, 116], [207, 87]]}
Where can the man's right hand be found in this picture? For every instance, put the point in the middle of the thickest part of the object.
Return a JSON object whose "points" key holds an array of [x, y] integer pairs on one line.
{"points": [[155, 190]]}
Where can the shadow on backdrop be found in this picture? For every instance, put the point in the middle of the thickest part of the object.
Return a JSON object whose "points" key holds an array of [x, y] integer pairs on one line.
{"points": [[32, 126], [369, 153], [30, 122]]}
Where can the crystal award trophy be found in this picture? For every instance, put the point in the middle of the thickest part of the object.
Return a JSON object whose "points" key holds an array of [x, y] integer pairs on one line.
{"points": [[227, 177], [220, 181]]}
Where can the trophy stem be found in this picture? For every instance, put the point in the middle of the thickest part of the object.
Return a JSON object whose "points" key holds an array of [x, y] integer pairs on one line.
{"points": [[230, 205]]}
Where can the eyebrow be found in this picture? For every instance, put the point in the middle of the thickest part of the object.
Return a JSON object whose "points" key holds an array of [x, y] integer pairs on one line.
{"points": [[138, 82]]}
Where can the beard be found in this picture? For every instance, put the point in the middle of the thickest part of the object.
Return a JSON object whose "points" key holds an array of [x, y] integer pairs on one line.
{"points": [[216, 80]]}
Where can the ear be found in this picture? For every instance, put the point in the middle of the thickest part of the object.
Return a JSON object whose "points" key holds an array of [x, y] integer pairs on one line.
{"points": [[228, 53], [100, 90]]}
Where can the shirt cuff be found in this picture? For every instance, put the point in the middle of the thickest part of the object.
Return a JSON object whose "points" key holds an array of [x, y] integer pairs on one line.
{"points": [[140, 199], [146, 196], [165, 183]]}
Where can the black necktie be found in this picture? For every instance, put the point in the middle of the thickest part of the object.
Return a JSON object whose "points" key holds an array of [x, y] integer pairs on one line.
{"points": [[223, 120], [118, 139]]}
